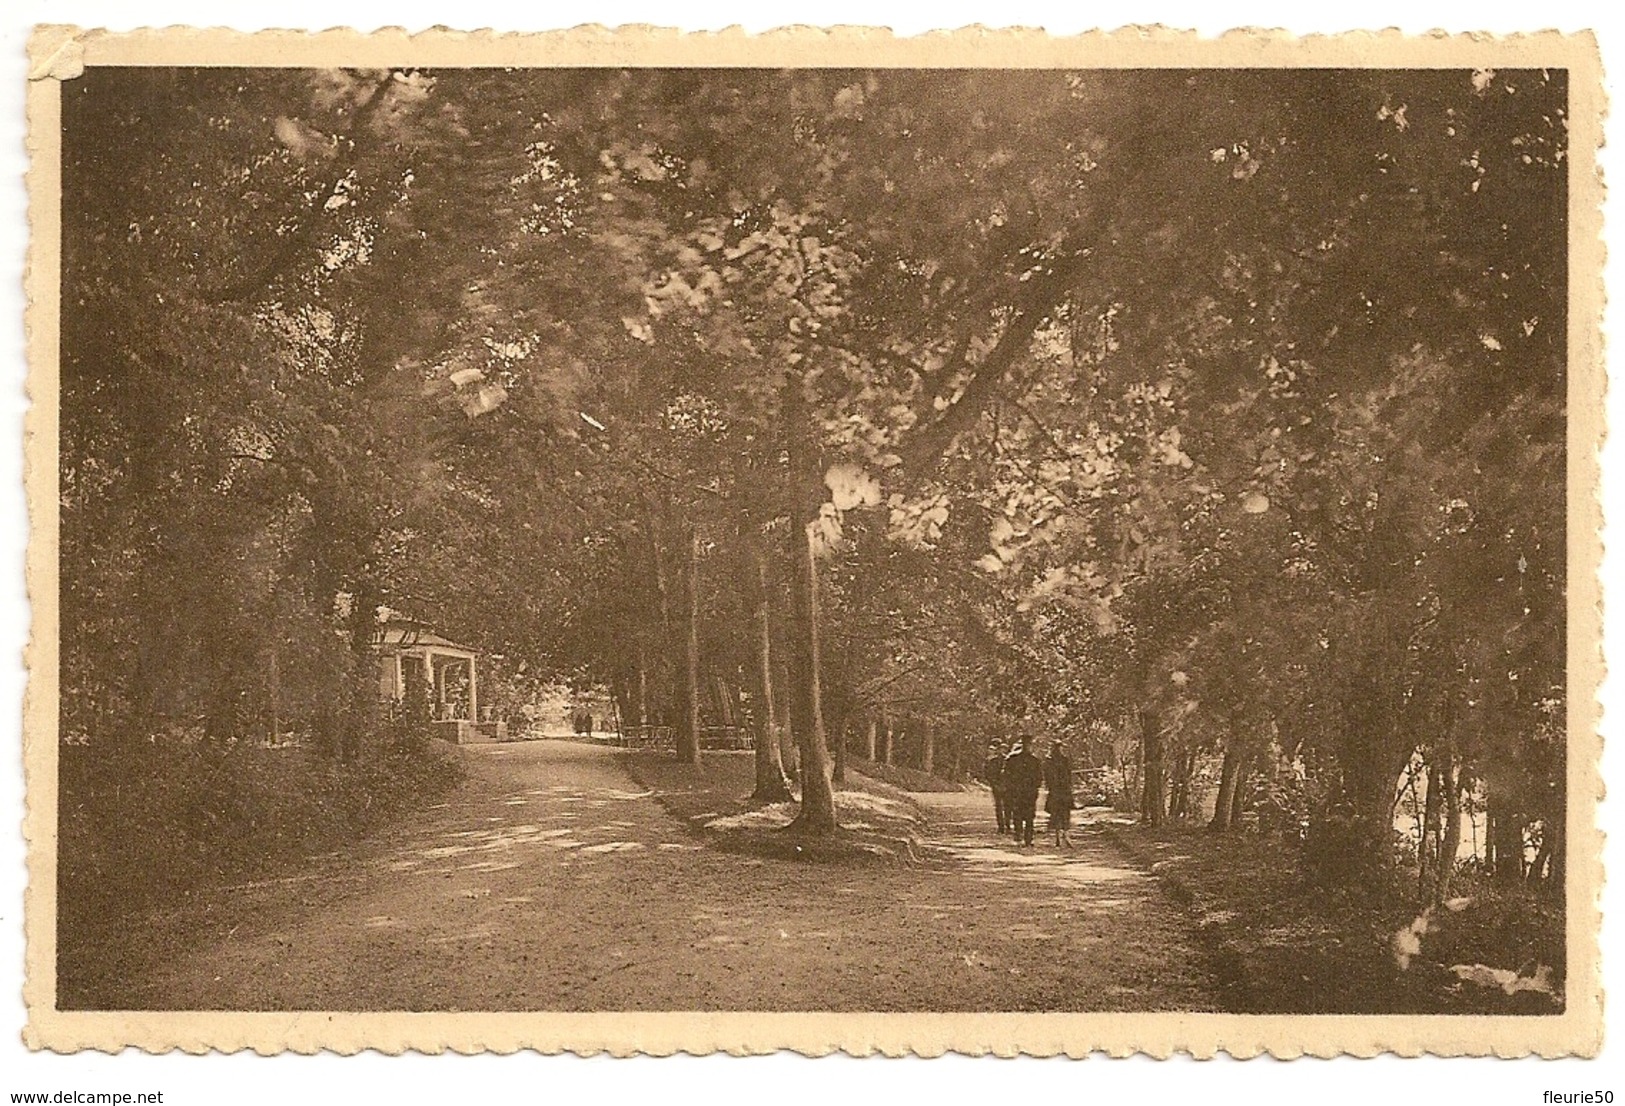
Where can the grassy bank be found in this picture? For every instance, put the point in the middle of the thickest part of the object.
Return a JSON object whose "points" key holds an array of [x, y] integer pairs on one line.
{"points": [[878, 821], [145, 827], [1281, 944], [903, 778]]}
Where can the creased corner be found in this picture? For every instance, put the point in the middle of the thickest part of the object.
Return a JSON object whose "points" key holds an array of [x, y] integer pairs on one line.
{"points": [[56, 54]]}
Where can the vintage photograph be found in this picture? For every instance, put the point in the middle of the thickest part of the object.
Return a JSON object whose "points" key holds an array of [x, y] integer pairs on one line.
{"points": [[822, 538]]}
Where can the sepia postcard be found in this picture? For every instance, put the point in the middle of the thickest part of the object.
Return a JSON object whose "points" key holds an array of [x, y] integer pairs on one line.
{"points": [[637, 542]]}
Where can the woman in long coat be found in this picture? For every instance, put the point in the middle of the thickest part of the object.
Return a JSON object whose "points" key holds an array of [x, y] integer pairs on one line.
{"points": [[1058, 793]]}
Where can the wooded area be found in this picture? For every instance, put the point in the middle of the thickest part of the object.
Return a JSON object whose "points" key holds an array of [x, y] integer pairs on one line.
{"points": [[1211, 421]]}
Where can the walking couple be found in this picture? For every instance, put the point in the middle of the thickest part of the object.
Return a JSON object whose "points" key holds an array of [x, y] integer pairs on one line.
{"points": [[1014, 772]]}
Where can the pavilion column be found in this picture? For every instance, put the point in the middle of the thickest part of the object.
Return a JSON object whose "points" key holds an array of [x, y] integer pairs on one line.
{"points": [[473, 699]]}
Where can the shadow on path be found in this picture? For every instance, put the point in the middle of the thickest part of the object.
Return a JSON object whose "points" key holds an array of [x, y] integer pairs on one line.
{"points": [[552, 881]]}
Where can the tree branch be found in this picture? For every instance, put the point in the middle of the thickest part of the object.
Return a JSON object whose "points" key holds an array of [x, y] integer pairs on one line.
{"points": [[302, 235]]}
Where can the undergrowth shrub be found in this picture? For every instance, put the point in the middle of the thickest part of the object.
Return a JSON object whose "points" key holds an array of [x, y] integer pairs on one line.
{"points": [[144, 822]]}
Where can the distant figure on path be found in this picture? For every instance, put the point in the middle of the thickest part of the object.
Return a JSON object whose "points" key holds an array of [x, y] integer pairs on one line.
{"points": [[1022, 775], [993, 776], [1058, 793]]}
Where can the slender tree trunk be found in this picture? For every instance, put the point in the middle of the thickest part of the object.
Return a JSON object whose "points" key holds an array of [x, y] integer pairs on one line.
{"points": [[817, 814], [668, 685], [1238, 800], [361, 720], [688, 733], [928, 745], [1153, 790], [1228, 778], [722, 695], [789, 751], [869, 740], [643, 688], [736, 703], [621, 696], [1506, 841], [771, 786], [1179, 803], [1450, 844], [888, 740], [1428, 868], [838, 728], [1555, 839]]}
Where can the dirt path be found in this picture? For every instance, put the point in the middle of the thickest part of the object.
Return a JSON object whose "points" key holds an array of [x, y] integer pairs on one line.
{"points": [[552, 881]]}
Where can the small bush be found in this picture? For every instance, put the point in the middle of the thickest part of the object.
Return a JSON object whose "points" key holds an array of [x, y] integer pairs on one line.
{"points": [[1512, 927], [144, 822], [1341, 851]]}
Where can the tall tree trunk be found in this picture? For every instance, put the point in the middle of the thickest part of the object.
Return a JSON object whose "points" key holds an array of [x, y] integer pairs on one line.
{"points": [[771, 786], [789, 751], [361, 693], [1506, 841], [833, 703], [1428, 867], [688, 733], [1179, 799], [1450, 844], [723, 694], [1228, 778], [888, 739], [928, 745], [669, 690], [817, 814], [1238, 800], [1153, 787], [1555, 838], [642, 718], [869, 740], [838, 728]]}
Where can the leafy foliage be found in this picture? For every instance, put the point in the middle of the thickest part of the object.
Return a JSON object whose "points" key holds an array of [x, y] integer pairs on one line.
{"points": [[1213, 421]]}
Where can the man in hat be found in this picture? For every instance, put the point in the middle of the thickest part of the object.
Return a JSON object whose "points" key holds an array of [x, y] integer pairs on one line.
{"points": [[1022, 775], [993, 776]]}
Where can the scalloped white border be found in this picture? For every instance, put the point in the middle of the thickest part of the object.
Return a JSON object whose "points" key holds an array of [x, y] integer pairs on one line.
{"points": [[59, 53]]}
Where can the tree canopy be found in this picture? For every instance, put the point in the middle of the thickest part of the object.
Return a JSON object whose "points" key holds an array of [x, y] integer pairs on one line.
{"points": [[1221, 409]]}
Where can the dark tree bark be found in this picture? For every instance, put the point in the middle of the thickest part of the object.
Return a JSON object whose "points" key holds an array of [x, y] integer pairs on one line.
{"points": [[1229, 778], [1555, 838], [1179, 802], [1153, 785], [1506, 841], [669, 704], [789, 752], [1238, 800], [1450, 843], [642, 712], [817, 814], [361, 714], [838, 728], [1428, 842]]}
